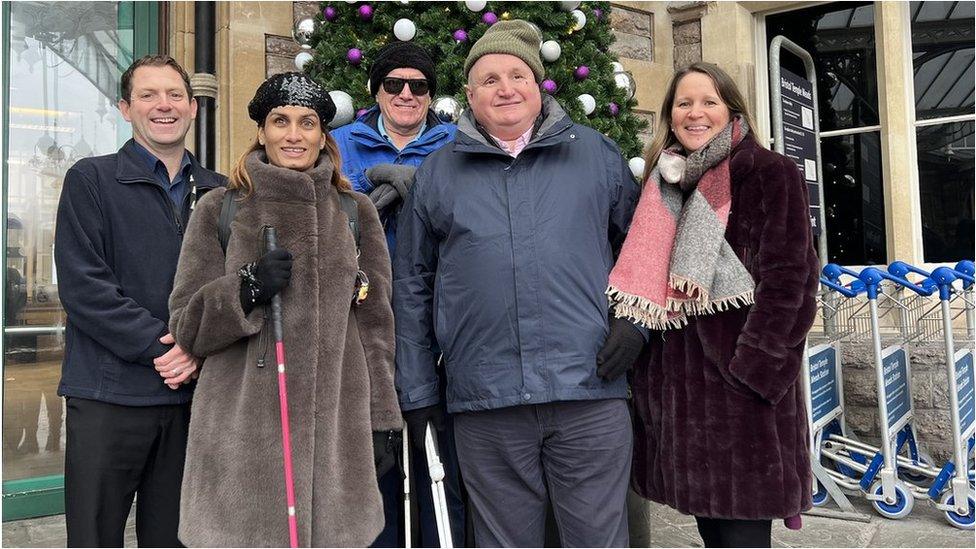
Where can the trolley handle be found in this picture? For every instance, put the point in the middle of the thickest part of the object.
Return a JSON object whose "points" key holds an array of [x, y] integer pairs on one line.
{"points": [[872, 277], [841, 289], [900, 269], [966, 270]]}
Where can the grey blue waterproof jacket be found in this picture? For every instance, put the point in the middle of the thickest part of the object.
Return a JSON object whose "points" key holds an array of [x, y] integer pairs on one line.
{"points": [[502, 264]]}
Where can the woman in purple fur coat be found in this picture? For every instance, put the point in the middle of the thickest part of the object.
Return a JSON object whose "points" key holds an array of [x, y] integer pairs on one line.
{"points": [[719, 264]]}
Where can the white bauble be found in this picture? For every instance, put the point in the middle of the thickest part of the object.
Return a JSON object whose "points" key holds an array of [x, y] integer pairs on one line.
{"points": [[636, 165], [447, 109], [404, 29], [550, 50], [580, 18], [625, 81], [302, 32], [589, 103], [568, 6], [344, 111], [302, 58], [475, 5], [617, 66]]}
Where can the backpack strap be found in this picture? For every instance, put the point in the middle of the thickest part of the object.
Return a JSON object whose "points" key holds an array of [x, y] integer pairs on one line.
{"points": [[228, 209], [349, 206]]}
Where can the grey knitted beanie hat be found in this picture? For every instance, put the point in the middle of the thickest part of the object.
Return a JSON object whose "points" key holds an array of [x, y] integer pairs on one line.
{"points": [[514, 37]]}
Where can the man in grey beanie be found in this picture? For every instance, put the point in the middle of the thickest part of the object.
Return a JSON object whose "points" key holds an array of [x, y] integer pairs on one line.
{"points": [[505, 244]]}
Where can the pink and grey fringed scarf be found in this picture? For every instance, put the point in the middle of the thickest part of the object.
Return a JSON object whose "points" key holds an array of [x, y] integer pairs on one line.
{"points": [[675, 261]]}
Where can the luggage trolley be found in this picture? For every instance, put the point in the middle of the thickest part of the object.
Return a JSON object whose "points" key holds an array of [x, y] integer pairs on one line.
{"points": [[878, 479], [952, 488], [823, 384]]}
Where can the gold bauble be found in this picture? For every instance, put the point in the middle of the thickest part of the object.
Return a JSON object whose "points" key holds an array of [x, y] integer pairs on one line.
{"points": [[506, 16]]}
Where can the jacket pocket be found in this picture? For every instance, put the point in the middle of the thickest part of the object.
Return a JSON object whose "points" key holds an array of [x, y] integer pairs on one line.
{"points": [[719, 336]]}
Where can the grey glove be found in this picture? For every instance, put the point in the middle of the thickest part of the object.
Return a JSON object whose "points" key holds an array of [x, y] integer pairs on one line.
{"points": [[391, 183]]}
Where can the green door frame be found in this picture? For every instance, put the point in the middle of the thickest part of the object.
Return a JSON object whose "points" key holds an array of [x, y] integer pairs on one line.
{"points": [[42, 496]]}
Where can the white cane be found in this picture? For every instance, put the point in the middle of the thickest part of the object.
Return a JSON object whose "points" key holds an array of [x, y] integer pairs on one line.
{"points": [[406, 488], [436, 470]]}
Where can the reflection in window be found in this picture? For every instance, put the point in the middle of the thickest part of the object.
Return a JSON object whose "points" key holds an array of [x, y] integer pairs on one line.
{"points": [[840, 37], [854, 195], [942, 47], [945, 177], [63, 74]]}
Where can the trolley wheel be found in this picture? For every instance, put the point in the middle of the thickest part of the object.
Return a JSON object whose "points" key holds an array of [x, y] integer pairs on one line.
{"points": [[821, 496], [923, 459], [957, 520], [901, 508]]}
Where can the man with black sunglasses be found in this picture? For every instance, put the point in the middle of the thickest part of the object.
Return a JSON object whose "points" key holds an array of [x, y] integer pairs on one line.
{"points": [[380, 152]]}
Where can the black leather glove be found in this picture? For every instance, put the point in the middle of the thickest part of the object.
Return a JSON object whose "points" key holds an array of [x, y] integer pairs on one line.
{"points": [[417, 422], [391, 184], [386, 448], [620, 350], [263, 279]]}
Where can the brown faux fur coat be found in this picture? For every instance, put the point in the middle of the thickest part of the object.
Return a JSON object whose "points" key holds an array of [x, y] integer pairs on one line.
{"points": [[339, 367], [721, 426]]}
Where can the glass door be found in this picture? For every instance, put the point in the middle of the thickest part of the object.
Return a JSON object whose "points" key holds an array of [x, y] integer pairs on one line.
{"points": [[64, 64]]}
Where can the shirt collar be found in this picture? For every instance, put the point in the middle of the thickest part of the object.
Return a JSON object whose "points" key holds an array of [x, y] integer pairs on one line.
{"points": [[382, 129], [515, 147], [155, 163]]}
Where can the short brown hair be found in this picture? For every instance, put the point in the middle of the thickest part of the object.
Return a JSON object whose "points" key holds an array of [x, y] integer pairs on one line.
{"points": [[727, 91], [153, 61]]}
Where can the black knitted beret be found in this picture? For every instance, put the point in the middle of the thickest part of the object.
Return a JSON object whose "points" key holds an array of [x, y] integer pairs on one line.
{"points": [[397, 55], [291, 89]]}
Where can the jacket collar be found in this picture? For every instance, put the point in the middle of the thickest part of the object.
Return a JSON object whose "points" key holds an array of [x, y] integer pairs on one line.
{"points": [[275, 184], [554, 122], [365, 131], [131, 167]]}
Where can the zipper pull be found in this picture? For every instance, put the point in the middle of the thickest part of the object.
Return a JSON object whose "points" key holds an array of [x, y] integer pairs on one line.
{"points": [[193, 193]]}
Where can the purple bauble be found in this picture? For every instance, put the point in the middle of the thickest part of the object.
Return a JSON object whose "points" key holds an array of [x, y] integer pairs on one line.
{"points": [[460, 35], [598, 13], [582, 72], [489, 18], [549, 86], [366, 12], [355, 56], [330, 13], [361, 112], [614, 108]]}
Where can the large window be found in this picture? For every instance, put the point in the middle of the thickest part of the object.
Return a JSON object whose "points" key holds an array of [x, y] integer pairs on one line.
{"points": [[65, 60], [942, 51], [840, 37]]}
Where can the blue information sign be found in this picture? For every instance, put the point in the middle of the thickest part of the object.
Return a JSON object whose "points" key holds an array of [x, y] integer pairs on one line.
{"points": [[824, 392], [899, 401], [799, 137], [964, 390]]}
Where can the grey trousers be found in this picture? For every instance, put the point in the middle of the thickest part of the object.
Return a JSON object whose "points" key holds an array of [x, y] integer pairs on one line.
{"points": [[576, 454]]}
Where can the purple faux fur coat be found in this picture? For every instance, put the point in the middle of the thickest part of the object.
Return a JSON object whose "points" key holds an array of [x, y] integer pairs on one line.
{"points": [[721, 423], [339, 366]]}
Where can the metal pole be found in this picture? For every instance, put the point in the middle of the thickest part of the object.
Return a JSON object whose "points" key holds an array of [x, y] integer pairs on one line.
{"points": [[961, 478], [205, 83], [776, 96]]}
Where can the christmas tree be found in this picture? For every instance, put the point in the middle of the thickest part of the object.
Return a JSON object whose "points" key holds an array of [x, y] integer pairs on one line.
{"points": [[581, 72]]}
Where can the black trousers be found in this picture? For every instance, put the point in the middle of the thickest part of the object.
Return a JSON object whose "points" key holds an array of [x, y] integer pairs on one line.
{"points": [[113, 453], [734, 533]]}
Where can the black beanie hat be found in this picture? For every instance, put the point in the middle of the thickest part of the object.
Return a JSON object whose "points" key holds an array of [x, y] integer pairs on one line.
{"points": [[398, 55], [291, 89]]}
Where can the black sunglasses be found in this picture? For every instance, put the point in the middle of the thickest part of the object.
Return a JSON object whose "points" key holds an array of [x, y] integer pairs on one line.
{"points": [[394, 86]]}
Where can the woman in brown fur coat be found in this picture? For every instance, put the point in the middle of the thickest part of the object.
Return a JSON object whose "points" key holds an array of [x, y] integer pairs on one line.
{"points": [[339, 354], [719, 259]]}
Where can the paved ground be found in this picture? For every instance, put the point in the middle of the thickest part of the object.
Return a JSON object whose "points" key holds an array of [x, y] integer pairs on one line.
{"points": [[924, 528]]}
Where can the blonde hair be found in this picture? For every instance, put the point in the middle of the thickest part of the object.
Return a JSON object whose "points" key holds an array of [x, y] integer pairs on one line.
{"points": [[727, 91], [241, 180]]}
